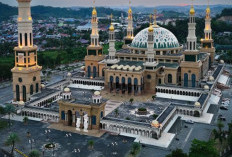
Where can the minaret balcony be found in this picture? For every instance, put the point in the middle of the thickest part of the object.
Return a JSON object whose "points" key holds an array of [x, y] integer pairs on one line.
{"points": [[26, 48]]}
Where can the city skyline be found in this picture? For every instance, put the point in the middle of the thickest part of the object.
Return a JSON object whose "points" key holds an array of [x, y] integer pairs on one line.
{"points": [[113, 3]]}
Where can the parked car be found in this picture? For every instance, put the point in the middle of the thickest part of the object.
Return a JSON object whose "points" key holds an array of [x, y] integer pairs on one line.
{"points": [[223, 108], [222, 118], [189, 121]]}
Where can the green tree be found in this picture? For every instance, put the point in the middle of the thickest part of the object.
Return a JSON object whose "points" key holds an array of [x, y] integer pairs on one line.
{"points": [[9, 109], [153, 97], [34, 153], [91, 144], [11, 141], [131, 100], [219, 134], [135, 149], [25, 120], [116, 112], [177, 153], [203, 149]]}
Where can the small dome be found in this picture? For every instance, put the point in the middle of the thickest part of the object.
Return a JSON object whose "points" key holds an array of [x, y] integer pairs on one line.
{"points": [[206, 87], [69, 74], [96, 93], [131, 68], [111, 27], [197, 104], [94, 12], [222, 62], [155, 123], [211, 78], [192, 11], [66, 90], [21, 103]]}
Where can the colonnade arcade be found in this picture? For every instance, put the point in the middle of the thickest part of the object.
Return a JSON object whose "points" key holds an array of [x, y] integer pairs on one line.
{"points": [[41, 114], [128, 85], [88, 82], [130, 129], [178, 91]]}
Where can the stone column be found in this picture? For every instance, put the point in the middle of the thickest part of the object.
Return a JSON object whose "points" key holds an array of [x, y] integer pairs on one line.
{"points": [[139, 90], [73, 120], [90, 124], [81, 122], [66, 119]]}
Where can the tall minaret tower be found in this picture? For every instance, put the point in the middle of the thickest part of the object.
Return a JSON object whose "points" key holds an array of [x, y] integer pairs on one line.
{"points": [[130, 30], [112, 51], [191, 65], [150, 64], [207, 42], [26, 73], [94, 48]]}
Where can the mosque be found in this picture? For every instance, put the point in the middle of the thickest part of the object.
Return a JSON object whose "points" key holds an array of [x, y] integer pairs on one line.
{"points": [[152, 57], [152, 61]]}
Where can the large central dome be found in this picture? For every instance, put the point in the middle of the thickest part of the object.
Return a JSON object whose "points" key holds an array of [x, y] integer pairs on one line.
{"points": [[163, 38]]}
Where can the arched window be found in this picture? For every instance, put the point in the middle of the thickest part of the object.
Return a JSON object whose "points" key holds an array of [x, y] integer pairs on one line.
{"points": [[149, 76], [169, 78], [111, 79], [62, 115], [135, 81], [123, 79], [21, 39], [129, 80], [25, 39], [37, 88]]}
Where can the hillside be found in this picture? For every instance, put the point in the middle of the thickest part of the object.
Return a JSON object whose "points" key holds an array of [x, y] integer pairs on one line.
{"points": [[45, 11]]}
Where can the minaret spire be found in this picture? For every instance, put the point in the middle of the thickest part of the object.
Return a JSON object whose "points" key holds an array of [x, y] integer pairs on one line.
{"points": [[191, 39], [155, 16], [94, 21]]}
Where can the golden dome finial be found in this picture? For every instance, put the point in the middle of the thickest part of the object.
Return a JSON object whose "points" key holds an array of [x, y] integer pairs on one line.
{"points": [[150, 29], [111, 25], [94, 12], [208, 9], [192, 10], [130, 10]]}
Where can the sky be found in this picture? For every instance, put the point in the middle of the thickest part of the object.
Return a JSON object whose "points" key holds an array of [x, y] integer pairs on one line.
{"points": [[116, 3]]}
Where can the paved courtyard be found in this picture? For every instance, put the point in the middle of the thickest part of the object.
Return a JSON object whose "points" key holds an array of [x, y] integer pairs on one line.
{"points": [[107, 145]]}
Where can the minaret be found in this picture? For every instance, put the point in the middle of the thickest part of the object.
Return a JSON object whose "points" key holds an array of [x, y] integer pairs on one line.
{"points": [[112, 49], [130, 30], [207, 43], [191, 39], [94, 48], [26, 73], [150, 63], [191, 65]]}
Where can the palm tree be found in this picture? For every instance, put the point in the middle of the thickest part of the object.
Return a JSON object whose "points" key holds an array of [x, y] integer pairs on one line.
{"points": [[34, 153], [131, 100], [219, 134], [91, 144], [12, 140], [25, 120], [116, 112], [153, 97], [9, 109]]}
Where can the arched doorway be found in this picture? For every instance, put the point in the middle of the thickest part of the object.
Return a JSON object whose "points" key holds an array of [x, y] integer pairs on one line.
{"points": [[37, 88], [111, 83], [186, 80], [94, 72], [69, 118], [117, 83], [31, 89], [169, 78], [129, 86], [89, 71], [193, 80], [136, 85], [24, 94], [17, 93], [123, 85]]}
